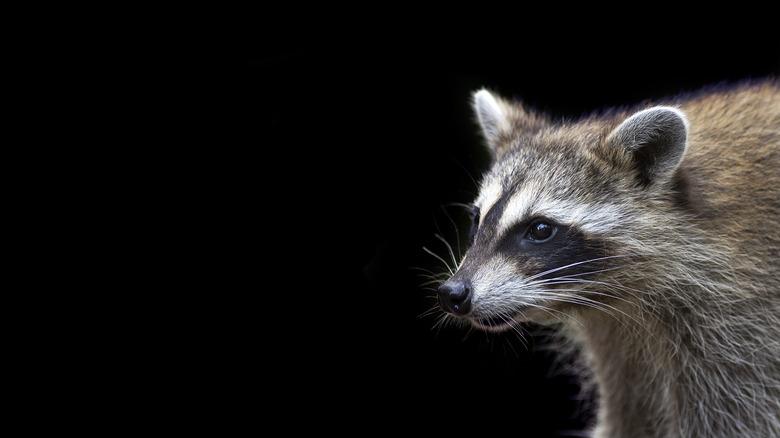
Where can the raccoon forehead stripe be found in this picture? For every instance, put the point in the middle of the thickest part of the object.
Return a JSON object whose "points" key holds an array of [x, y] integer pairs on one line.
{"points": [[489, 195], [519, 206], [593, 218]]}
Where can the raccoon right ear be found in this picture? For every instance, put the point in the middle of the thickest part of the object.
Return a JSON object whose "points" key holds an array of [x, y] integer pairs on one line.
{"points": [[656, 138], [493, 116]]}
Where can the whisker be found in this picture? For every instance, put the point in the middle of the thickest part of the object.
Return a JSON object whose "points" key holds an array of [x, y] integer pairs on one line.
{"points": [[581, 274], [588, 291], [454, 227], [584, 290], [573, 264], [511, 322], [452, 254], [415, 268], [582, 302], [428, 312], [612, 285], [459, 204], [439, 322], [440, 259], [568, 280], [587, 302], [468, 332]]}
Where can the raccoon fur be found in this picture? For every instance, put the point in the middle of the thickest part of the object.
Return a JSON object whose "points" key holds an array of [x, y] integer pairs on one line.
{"points": [[651, 239]]}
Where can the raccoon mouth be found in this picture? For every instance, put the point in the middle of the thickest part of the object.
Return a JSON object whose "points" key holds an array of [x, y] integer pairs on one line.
{"points": [[494, 323]]}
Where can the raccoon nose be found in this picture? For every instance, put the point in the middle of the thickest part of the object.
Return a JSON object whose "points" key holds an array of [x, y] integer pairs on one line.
{"points": [[455, 297]]}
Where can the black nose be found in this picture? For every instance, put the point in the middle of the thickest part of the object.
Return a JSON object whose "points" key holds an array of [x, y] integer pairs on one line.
{"points": [[455, 297]]}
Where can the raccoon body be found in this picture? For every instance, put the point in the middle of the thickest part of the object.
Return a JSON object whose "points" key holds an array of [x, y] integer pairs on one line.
{"points": [[651, 239]]}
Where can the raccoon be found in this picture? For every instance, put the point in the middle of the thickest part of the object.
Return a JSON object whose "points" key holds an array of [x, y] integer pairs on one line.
{"points": [[651, 240]]}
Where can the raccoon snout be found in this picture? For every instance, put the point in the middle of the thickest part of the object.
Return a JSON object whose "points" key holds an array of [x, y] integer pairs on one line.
{"points": [[455, 297]]}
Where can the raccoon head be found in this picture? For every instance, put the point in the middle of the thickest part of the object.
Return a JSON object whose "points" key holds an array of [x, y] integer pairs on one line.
{"points": [[559, 210]]}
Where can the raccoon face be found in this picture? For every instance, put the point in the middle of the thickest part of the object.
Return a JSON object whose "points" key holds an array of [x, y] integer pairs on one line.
{"points": [[553, 212]]}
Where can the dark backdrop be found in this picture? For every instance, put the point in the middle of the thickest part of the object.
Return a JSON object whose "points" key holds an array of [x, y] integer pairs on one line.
{"points": [[349, 158]]}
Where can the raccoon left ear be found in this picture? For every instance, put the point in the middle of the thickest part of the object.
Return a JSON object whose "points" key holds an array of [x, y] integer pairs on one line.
{"points": [[493, 116], [500, 118], [656, 138]]}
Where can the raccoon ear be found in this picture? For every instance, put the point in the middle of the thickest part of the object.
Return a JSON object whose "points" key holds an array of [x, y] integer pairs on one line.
{"points": [[493, 116], [656, 138]]}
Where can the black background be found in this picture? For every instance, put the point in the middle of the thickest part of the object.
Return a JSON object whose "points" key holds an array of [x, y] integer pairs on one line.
{"points": [[348, 157]]}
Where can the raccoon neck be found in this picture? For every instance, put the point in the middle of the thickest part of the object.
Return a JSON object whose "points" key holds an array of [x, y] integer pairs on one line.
{"points": [[683, 373]]}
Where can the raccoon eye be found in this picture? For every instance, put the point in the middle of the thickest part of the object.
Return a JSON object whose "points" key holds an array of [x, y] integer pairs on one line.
{"points": [[474, 216], [540, 231]]}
